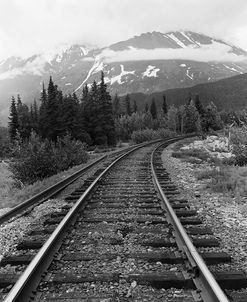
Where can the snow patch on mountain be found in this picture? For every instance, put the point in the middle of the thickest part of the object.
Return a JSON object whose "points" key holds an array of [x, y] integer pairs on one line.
{"points": [[232, 69], [189, 39], [99, 67], [84, 50], [151, 71], [180, 43], [118, 78], [188, 74], [96, 65]]}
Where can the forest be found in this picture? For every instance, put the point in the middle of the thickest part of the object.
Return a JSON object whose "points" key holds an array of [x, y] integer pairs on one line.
{"points": [[55, 132]]}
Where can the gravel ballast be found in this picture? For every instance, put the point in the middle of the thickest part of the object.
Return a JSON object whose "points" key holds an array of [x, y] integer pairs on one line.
{"points": [[225, 214]]}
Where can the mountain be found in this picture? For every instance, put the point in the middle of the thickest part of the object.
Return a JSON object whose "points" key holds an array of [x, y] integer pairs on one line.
{"points": [[227, 94], [146, 63]]}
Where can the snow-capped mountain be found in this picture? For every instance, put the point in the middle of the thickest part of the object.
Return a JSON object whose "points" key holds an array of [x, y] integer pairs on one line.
{"points": [[146, 63]]}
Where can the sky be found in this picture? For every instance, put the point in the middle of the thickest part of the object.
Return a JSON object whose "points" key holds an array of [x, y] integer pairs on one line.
{"points": [[33, 26]]}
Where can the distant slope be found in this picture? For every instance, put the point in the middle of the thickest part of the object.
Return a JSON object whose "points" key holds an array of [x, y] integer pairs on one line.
{"points": [[148, 63], [230, 93]]}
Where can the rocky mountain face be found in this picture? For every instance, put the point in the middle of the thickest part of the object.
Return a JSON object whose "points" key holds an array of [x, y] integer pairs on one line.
{"points": [[147, 63]]}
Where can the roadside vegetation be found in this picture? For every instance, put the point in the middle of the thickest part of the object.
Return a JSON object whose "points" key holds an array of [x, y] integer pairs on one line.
{"points": [[58, 132], [222, 167], [13, 192]]}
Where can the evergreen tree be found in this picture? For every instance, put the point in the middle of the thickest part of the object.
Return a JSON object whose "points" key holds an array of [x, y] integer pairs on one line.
{"points": [[13, 120], [18, 104], [181, 118], [70, 112], [116, 106], [107, 113], [24, 120], [211, 118], [134, 106], [146, 108], [192, 120], [96, 116], [199, 105], [164, 105], [172, 118], [127, 105], [42, 116], [83, 132], [35, 118], [153, 109], [189, 98], [52, 117]]}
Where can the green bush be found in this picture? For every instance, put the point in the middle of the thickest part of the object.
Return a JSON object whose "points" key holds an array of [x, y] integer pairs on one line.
{"points": [[140, 136], [226, 179], [38, 159], [203, 155], [238, 142]]}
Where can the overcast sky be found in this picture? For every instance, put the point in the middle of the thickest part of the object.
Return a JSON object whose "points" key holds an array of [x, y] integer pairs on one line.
{"points": [[31, 26]]}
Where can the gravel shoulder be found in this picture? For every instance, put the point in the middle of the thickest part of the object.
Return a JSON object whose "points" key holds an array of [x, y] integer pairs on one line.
{"points": [[224, 213]]}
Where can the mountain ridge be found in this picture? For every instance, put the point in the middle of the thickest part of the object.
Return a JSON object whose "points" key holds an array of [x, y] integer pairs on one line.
{"points": [[147, 63]]}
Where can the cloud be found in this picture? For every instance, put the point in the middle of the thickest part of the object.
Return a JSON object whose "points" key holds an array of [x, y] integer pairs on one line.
{"points": [[35, 67], [206, 53], [28, 26]]}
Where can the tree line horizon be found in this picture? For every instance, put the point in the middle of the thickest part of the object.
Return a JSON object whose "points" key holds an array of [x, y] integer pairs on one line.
{"points": [[96, 118]]}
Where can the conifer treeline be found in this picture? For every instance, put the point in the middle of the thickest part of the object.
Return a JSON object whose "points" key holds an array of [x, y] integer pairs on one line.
{"points": [[98, 120], [89, 119]]}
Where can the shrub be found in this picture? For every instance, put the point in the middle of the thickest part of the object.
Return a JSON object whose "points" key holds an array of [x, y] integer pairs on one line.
{"points": [[140, 136], [226, 179], [238, 141], [165, 133], [190, 153], [38, 159], [149, 134]]}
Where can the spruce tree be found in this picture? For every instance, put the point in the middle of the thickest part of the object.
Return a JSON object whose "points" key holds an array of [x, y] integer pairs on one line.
{"points": [[189, 98], [116, 106], [127, 105], [96, 116], [84, 135], [199, 105], [35, 119], [211, 118], [164, 105], [52, 117], [172, 118], [181, 118], [106, 107], [146, 108], [24, 120], [192, 122], [134, 106], [70, 111], [153, 109], [42, 116], [13, 120]]}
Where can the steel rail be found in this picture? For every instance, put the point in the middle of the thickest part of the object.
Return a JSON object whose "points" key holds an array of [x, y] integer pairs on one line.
{"points": [[56, 188], [210, 289], [27, 283]]}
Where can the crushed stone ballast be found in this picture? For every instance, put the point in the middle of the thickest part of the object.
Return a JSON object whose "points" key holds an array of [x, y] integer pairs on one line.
{"points": [[120, 243]]}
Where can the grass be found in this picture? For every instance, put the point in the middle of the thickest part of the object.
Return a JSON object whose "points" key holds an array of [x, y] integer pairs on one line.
{"points": [[11, 193], [223, 179], [191, 153]]}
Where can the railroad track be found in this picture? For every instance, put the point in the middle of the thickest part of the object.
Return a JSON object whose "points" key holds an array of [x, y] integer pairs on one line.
{"points": [[121, 241], [54, 190]]}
